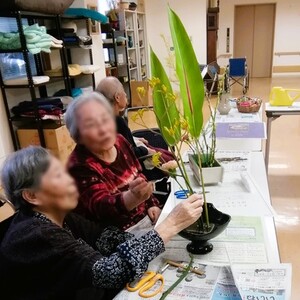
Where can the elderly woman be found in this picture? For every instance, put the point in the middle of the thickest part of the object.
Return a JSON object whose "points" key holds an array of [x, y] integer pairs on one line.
{"points": [[112, 188], [47, 253], [114, 92]]}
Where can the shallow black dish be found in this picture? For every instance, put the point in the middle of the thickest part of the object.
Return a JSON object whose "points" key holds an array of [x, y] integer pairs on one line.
{"points": [[199, 240]]}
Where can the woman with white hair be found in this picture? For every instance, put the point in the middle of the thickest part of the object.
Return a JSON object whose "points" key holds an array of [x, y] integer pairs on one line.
{"points": [[48, 253], [112, 188]]}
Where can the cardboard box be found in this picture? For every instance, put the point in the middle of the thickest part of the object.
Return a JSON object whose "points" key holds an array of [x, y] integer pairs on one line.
{"points": [[136, 100], [57, 138]]}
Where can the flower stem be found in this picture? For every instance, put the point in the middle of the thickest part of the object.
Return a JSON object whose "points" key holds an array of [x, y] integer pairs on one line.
{"points": [[202, 183], [183, 275]]}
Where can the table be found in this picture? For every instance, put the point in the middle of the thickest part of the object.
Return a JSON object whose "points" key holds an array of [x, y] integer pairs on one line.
{"points": [[273, 113], [258, 173], [175, 249]]}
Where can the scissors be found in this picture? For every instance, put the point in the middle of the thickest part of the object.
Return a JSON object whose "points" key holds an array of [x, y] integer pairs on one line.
{"points": [[147, 282], [181, 194]]}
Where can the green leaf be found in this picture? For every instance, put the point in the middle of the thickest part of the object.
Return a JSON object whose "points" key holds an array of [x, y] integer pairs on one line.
{"points": [[188, 72], [167, 114]]}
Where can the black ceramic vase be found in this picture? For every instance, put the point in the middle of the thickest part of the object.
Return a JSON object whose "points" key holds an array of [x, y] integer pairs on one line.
{"points": [[199, 240]]}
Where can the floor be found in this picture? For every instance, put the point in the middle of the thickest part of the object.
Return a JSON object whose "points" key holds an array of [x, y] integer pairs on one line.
{"points": [[284, 172]]}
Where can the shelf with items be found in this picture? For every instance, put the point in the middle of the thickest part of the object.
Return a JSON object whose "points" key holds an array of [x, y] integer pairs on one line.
{"points": [[33, 65], [134, 24], [116, 55]]}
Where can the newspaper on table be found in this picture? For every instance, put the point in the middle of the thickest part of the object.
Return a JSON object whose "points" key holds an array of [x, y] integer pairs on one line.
{"points": [[266, 282], [192, 287], [225, 288]]}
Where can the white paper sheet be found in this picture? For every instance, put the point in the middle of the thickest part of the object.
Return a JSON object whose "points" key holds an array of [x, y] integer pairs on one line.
{"points": [[235, 161], [267, 282], [235, 116], [225, 288]]}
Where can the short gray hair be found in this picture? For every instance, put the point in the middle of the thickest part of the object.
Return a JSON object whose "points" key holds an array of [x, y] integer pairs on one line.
{"points": [[74, 106], [22, 171], [109, 86]]}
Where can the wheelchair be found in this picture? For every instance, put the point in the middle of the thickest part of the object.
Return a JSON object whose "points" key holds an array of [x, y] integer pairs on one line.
{"points": [[237, 71]]}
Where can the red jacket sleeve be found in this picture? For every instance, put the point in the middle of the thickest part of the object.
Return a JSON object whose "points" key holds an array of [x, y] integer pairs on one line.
{"points": [[97, 200]]}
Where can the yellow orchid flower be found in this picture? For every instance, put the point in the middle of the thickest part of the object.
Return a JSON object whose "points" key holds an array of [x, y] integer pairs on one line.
{"points": [[184, 124], [153, 82], [156, 159], [164, 88], [135, 117], [141, 91], [141, 112]]}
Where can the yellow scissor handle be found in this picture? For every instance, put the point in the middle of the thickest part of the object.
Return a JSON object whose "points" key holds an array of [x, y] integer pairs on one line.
{"points": [[150, 284], [147, 276]]}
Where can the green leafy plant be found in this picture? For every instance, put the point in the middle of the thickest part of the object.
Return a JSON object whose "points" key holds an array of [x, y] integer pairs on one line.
{"points": [[189, 122], [180, 126]]}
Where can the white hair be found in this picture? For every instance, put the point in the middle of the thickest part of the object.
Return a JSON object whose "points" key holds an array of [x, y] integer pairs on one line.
{"points": [[109, 86], [74, 106], [23, 170]]}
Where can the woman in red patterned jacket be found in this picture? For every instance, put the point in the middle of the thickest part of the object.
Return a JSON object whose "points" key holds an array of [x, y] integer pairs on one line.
{"points": [[112, 188]]}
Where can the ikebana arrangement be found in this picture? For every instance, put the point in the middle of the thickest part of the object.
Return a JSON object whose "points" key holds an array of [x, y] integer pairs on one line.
{"points": [[185, 126]]}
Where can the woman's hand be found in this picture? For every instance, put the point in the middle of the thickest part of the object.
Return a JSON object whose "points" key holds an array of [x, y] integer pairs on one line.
{"points": [[154, 213], [183, 215], [139, 191], [144, 141]]}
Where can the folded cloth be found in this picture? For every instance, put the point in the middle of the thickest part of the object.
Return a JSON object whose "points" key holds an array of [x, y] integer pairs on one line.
{"points": [[42, 113], [88, 13], [74, 70], [89, 69], [69, 25], [76, 92], [37, 39], [54, 45], [71, 40], [46, 104], [24, 80], [55, 40]]}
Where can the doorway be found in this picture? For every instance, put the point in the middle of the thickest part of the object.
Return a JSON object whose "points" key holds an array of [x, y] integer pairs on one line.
{"points": [[254, 37]]}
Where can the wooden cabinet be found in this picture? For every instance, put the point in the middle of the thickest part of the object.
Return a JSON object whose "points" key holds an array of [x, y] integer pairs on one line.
{"points": [[212, 36]]}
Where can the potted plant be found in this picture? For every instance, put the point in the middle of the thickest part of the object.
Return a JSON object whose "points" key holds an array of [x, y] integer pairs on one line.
{"points": [[180, 127], [211, 168]]}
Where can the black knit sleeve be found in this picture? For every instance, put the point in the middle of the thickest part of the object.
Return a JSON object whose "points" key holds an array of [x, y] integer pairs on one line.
{"points": [[110, 239], [84, 229], [129, 262], [79, 264]]}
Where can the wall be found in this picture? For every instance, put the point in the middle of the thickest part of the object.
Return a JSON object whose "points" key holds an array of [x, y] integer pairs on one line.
{"points": [[193, 16], [15, 96], [287, 28]]}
